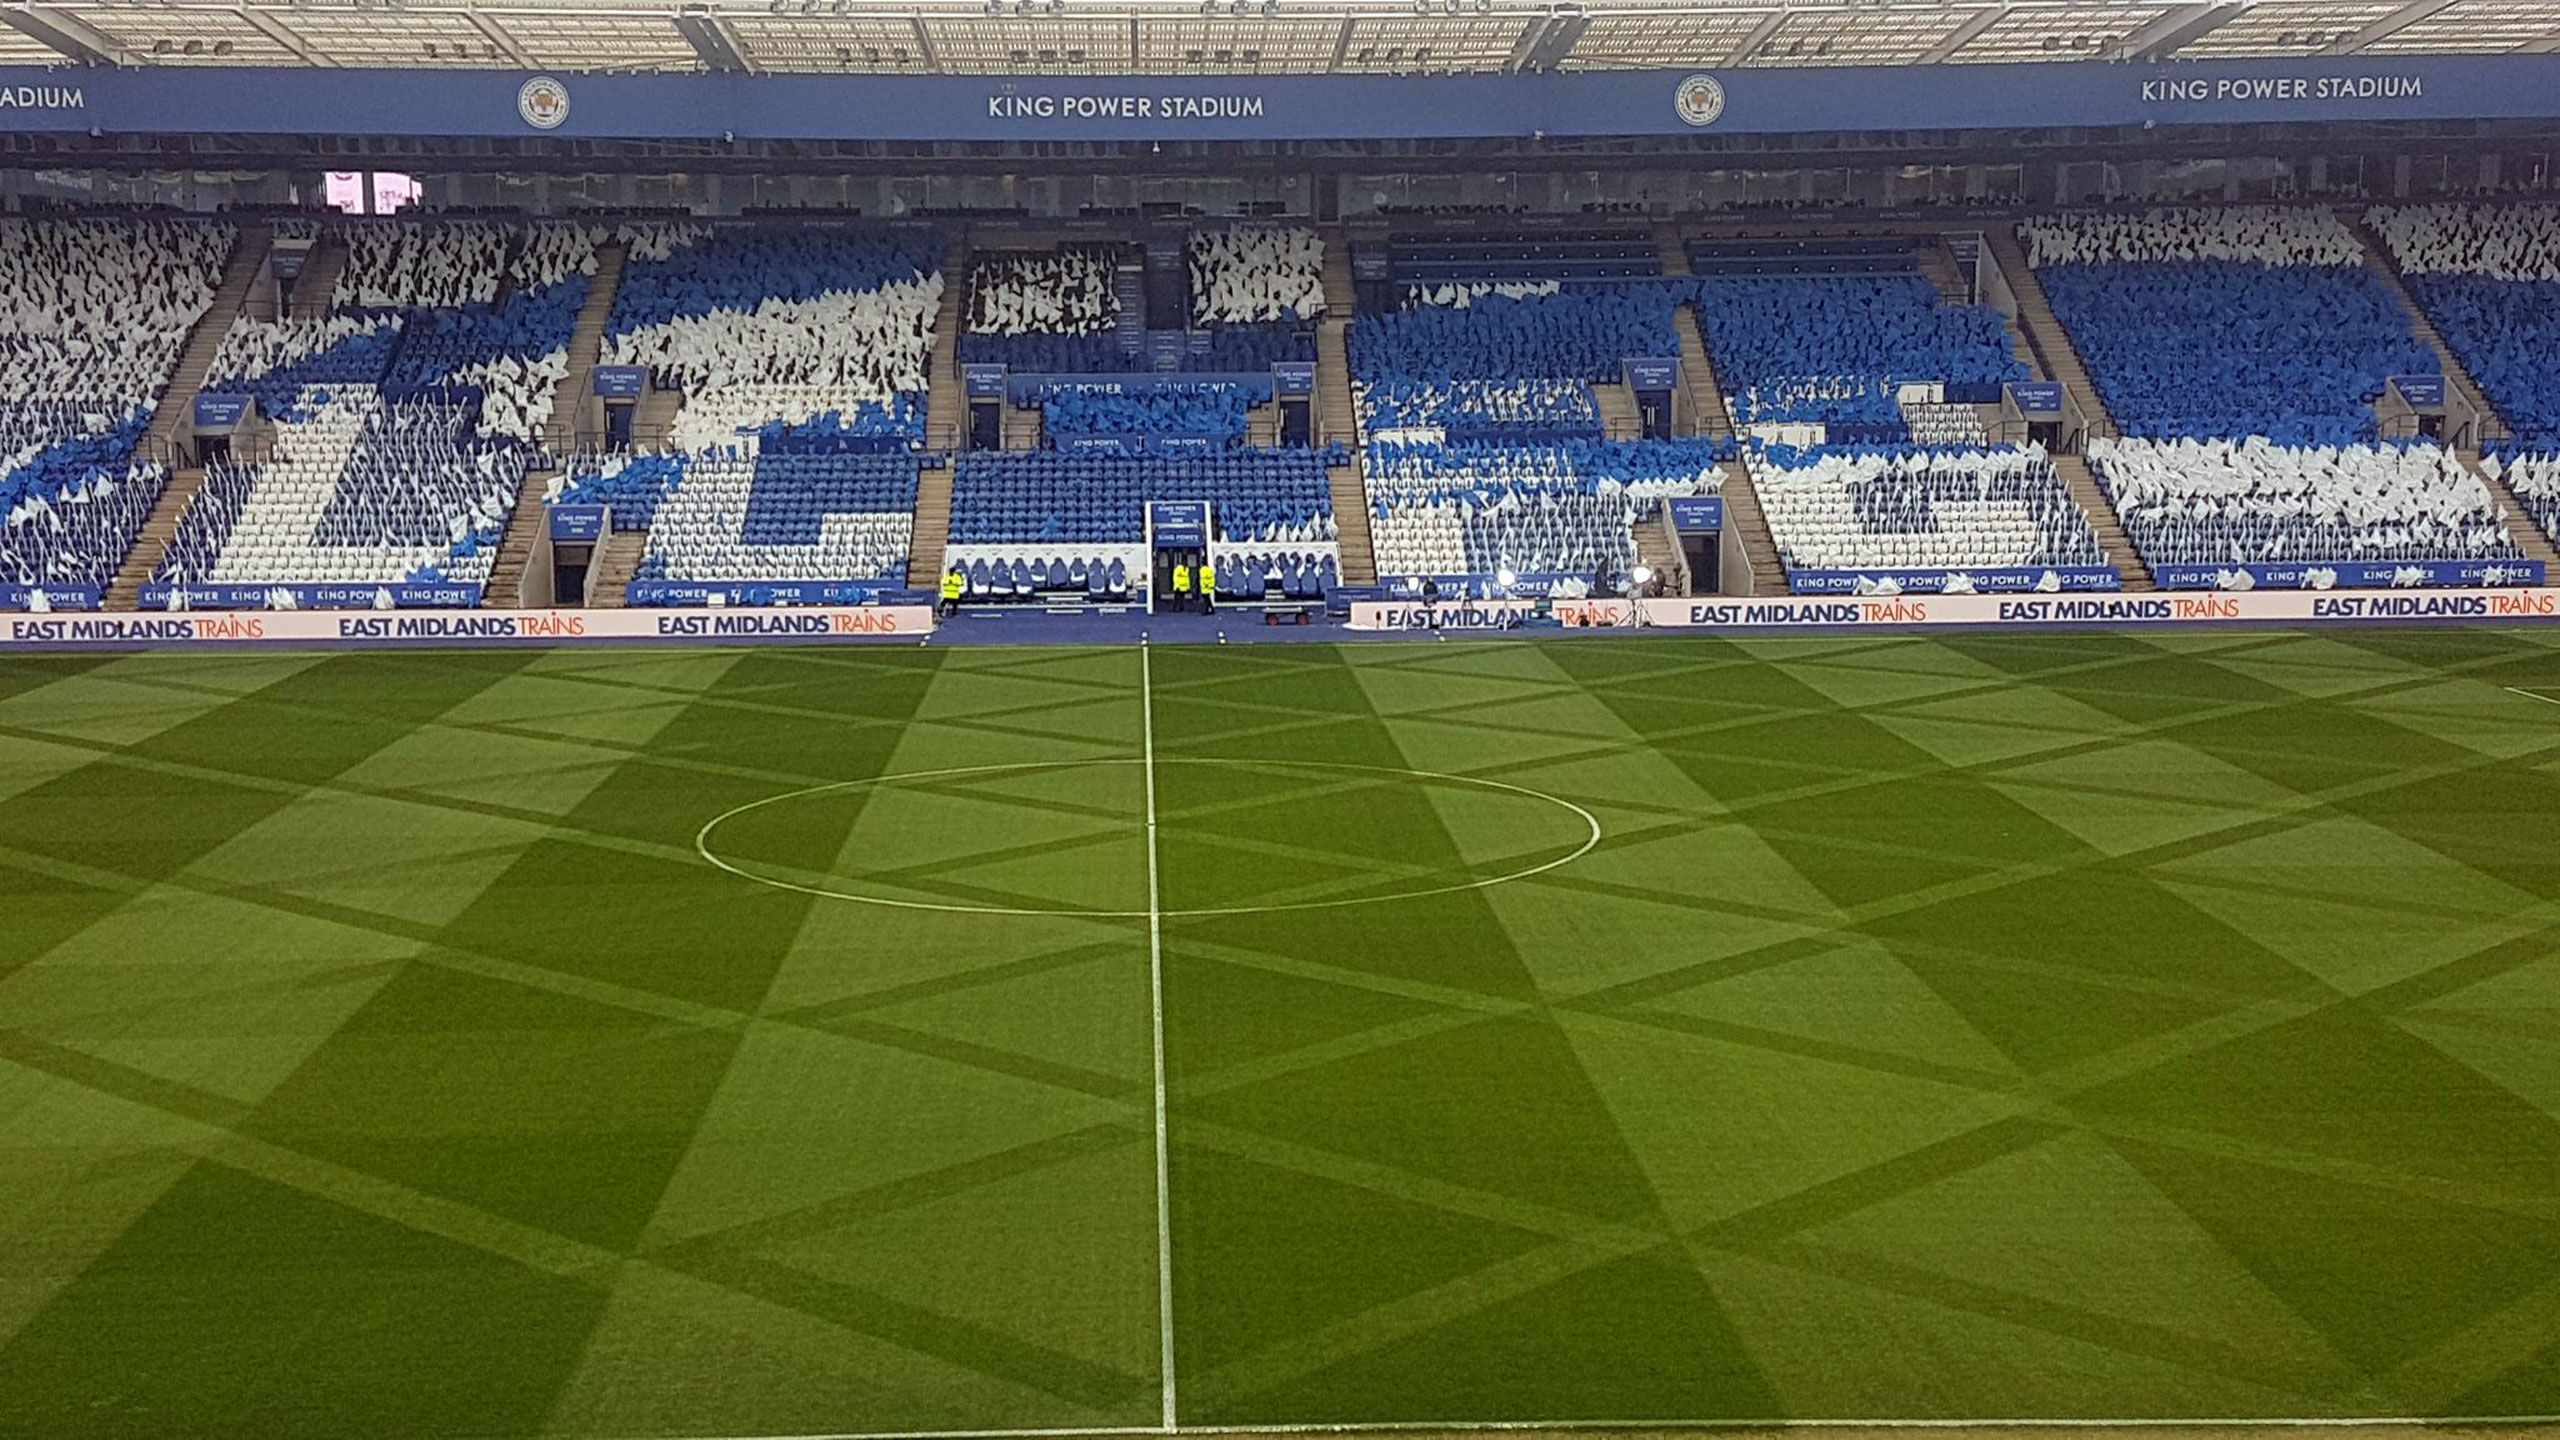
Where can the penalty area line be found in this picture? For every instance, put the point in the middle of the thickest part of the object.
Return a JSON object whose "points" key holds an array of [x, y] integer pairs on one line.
{"points": [[2534, 695]]}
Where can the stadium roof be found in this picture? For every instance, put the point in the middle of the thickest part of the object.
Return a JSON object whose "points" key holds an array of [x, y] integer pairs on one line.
{"points": [[1102, 37]]}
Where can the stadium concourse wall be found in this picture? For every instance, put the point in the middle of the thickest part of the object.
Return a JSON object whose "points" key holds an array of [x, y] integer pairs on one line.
{"points": [[356, 629], [165, 99]]}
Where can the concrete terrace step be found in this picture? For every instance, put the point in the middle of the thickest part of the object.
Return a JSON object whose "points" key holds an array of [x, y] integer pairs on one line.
{"points": [[931, 533], [2092, 499], [617, 560], [1350, 488], [2377, 258], [1759, 547], [2053, 354]]}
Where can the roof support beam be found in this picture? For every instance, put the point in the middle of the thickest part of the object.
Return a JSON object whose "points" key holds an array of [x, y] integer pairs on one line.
{"points": [[1566, 33], [1758, 37], [714, 40], [2179, 27], [74, 38], [269, 26], [1341, 46], [924, 44], [505, 42], [2388, 26], [2548, 44], [1526, 46], [1963, 35]]}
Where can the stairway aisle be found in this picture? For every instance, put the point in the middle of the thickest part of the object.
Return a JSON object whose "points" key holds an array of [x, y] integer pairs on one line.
{"points": [[2377, 258], [559, 437], [2054, 356], [2092, 499], [930, 535], [176, 414]]}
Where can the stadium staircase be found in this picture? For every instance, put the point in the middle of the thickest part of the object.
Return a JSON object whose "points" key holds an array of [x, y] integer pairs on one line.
{"points": [[616, 561], [1022, 427], [560, 437], [177, 409], [1655, 552], [2092, 499], [2050, 351], [1674, 248], [315, 288], [1618, 417], [2377, 258], [946, 409], [1938, 263], [653, 424], [1708, 412], [1336, 417]]}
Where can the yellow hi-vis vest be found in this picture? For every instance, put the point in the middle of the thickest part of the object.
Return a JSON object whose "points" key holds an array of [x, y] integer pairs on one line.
{"points": [[952, 585], [1208, 579], [1181, 579]]}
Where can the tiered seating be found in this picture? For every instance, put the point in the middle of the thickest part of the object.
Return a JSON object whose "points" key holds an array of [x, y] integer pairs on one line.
{"points": [[756, 324], [1256, 277], [2226, 504], [2227, 323], [1548, 513], [1506, 369], [1067, 291], [2489, 277], [1213, 413], [403, 421], [1625, 254], [1082, 515], [361, 492], [633, 485], [395, 265], [2535, 479], [1962, 511], [1840, 352], [93, 316], [739, 517]]}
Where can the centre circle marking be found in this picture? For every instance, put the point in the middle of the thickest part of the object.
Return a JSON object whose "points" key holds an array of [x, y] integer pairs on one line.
{"points": [[702, 838]]}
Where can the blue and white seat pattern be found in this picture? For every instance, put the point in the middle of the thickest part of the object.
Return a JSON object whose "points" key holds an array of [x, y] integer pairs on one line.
{"points": [[1068, 291], [360, 492], [93, 317], [742, 516], [2228, 323], [1263, 275], [2221, 502], [1830, 358], [1271, 509], [2489, 277], [1523, 365], [2535, 480], [763, 324], [1535, 510], [1918, 510]]}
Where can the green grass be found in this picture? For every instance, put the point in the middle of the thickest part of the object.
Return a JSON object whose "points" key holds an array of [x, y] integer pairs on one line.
{"points": [[1961, 1027]]}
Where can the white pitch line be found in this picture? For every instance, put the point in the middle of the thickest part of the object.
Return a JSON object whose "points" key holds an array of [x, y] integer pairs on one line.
{"points": [[1503, 1427], [1155, 987], [2532, 695]]}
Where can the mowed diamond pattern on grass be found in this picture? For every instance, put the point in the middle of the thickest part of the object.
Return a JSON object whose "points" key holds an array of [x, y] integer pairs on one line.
{"points": [[1973, 1026]]}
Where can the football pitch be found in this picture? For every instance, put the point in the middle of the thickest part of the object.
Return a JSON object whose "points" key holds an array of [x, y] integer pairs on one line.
{"points": [[793, 1042]]}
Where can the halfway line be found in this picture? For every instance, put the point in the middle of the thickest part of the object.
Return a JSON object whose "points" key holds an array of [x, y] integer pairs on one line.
{"points": [[1155, 987]]}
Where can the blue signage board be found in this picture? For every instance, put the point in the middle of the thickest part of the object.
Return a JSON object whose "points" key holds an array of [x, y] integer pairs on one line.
{"points": [[206, 596], [1992, 580], [220, 412], [2037, 397], [622, 382], [1179, 524], [1373, 262], [577, 522], [982, 381], [2352, 575], [1696, 513], [1748, 100], [1644, 376], [2423, 392], [1293, 377], [56, 597], [657, 593]]}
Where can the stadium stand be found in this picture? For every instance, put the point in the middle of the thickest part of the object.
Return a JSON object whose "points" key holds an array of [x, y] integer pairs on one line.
{"points": [[2489, 277], [1556, 515], [780, 515], [93, 317], [756, 323], [1255, 277], [2534, 479], [1854, 359], [1213, 414], [2227, 323], [1502, 368], [1068, 520], [2222, 504], [1964, 511]]}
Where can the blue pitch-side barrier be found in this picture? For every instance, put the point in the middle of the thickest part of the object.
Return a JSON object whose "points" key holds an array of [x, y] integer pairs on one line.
{"points": [[1137, 445], [203, 596], [2356, 575], [1775, 100], [657, 594], [60, 597], [1025, 387], [1991, 580]]}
